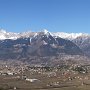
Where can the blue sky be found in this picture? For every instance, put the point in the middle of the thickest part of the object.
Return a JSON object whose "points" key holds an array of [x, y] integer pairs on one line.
{"points": [[53, 15]]}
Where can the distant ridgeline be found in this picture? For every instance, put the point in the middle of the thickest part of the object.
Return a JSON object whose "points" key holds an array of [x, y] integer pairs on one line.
{"points": [[44, 47]]}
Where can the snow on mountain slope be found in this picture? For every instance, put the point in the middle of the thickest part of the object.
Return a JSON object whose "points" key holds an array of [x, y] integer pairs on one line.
{"points": [[11, 35], [7, 35], [70, 36]]}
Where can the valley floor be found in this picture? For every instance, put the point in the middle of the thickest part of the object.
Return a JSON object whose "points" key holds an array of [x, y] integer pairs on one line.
{"points": [[46, 78]]}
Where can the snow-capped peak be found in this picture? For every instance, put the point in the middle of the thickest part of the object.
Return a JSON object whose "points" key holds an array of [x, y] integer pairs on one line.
{"points": [[70, 35], [46, 31], [7, 35]]}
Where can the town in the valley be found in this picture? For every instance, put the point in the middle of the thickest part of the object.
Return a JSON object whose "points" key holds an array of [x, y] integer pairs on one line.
{"points": [[19, 76]]}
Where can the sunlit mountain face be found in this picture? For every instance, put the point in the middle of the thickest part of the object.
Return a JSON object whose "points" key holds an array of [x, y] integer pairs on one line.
{"points": [[44, 46]]}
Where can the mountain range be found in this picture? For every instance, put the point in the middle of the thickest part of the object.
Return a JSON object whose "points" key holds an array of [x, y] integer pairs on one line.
{"points": [[44, 47]]}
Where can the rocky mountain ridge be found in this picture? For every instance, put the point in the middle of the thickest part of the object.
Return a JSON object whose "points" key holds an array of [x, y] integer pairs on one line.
{"points": [[43, 47], [10, 35]]}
